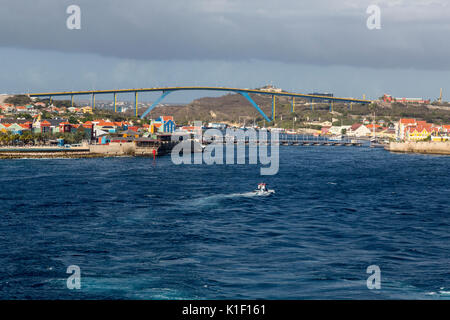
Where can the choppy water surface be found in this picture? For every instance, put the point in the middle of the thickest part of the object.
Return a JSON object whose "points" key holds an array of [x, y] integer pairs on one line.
{"points": [[140, 229]]}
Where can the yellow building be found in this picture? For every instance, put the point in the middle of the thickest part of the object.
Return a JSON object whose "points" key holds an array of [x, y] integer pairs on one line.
{"points": [[439, 138], [417, 133], [87, 110]]}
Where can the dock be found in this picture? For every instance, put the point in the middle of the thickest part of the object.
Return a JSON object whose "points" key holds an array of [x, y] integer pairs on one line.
{"points": [[294, 140]]}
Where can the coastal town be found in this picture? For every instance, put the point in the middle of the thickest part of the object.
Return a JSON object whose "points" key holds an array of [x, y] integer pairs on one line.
{"points": [[59, 124]]}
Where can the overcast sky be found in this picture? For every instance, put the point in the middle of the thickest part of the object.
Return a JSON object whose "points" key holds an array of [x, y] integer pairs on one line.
{"points": [[301, 46]]}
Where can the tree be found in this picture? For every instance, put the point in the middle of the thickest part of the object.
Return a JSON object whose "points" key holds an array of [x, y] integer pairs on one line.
{"points": [[87, 117], [25, 116], [46, 115], [73, 120]]}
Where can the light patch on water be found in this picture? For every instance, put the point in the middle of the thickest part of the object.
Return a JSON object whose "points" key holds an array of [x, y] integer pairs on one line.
{"points": [[215, 199], [134, 288], [441, 293]]}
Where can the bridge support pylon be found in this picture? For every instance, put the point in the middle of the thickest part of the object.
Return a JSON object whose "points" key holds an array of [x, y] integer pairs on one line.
{"points": [[136, 103], [115, 101], [273, 107], [93, 101]]}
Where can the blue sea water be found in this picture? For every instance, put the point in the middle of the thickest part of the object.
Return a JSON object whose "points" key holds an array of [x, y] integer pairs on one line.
{"points": [[144, 229]]}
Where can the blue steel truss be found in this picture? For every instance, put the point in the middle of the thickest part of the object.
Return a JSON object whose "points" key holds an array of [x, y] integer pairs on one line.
{"points": [[247, 96], [163, 95], [243, 93]]}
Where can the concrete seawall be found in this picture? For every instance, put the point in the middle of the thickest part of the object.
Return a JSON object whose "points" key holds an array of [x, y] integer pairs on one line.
{"points": [[85, 151], [114, 149], [426, 147]]}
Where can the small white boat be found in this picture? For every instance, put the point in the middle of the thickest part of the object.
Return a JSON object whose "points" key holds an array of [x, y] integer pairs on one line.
{"points": [[263, 191]]}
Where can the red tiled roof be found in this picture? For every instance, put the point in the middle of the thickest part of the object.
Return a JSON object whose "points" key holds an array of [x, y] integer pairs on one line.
{"points": [[428, 128], [166, 118], [407, 121], [106, 123]]}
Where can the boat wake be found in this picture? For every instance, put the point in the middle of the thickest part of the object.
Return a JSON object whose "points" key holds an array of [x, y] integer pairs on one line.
{"points": [[217, 199]]}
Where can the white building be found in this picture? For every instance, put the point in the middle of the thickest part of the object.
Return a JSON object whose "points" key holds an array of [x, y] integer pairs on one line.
{"points": [[337, 130], [358, 130]]}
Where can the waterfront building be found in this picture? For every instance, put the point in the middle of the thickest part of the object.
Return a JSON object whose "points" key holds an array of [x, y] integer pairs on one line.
{"points": [[325, 130], [47, 125], [104, 139], [417, 133], [439, 138], [15, 128], [402, 125], [163, 124], [130, 133], [359, 130], [107, 126], [337, 130], [387, 133], [421, 131], [446, 128], [220, 126]]}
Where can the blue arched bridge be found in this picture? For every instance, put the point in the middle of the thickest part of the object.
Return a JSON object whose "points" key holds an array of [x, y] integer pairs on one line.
{"points": [[167, 90]]}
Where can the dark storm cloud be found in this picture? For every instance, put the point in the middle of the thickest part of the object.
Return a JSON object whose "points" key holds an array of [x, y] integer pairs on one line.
{"points": [[324, 32]]}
